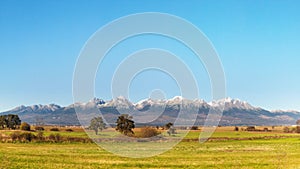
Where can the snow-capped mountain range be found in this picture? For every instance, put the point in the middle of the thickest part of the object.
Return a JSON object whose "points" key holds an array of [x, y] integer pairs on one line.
{"points": [[236, 112], [35, 108], [230, 103]]}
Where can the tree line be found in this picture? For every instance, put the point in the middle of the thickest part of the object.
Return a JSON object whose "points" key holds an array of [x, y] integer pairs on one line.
{"points": [[10, 121]]}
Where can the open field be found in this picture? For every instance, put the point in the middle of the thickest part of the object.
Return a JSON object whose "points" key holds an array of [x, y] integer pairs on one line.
{"points": [[259, 150], [226, 131]]}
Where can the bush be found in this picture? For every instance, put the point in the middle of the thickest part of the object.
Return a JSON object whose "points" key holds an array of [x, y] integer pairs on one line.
{"points": [[148, 132], [27, 136], [25, 126], [40, 136], [39, 128], [286, 130], [69, 130], [171, 131], [54, 129], [78, 139], [55, 137], [15, 136], [250, 128], [298, 129], [194, 128], [22, 137]]}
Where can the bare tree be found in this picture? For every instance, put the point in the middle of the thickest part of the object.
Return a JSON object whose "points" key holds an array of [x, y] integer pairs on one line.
{"points": [[97, 124]]}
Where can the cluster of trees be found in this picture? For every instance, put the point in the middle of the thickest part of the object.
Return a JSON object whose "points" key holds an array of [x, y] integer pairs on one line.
{"points": [[10, 121], [125, 125]]}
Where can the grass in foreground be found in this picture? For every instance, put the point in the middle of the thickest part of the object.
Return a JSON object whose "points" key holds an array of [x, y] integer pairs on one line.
{"points": [[280, 153], [257, 153]]}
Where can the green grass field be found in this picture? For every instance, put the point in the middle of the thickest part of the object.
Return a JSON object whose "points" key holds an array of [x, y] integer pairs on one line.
{"points": [[255, 153]]}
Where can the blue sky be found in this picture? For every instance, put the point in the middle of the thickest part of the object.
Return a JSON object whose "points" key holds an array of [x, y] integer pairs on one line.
{"points": [[257, 41]]}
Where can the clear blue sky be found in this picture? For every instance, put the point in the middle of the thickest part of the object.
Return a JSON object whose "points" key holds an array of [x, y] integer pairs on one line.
{"points": [[258, 43]]}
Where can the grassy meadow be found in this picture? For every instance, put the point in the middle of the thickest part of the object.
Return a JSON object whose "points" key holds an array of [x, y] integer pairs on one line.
{"points": [[226, 149]]}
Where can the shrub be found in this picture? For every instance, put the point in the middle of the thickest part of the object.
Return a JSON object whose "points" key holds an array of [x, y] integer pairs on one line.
{"points": [[236, 128], [54, 137], [54, 129], [27, 136], [194, 128], [69, 130], [78, 139], [148, 132], [15, 136], [286, 130], [298, 129], [25, 126], [250, 128], [39, 128], [1, 138], [22, 137], [40, 136], [171, 131]]}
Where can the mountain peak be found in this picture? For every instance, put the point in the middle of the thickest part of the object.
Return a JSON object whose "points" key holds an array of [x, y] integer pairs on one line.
{"points": [[119, 102], [97, 101], [230, 103], [177, 98], [241, 111], [18, 108], [34, 108]]}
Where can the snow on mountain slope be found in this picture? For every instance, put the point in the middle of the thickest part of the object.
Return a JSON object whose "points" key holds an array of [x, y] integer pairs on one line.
{"points": [[236, 112], [122, 102], [34, 108], [230, 103], [119, 102]]}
